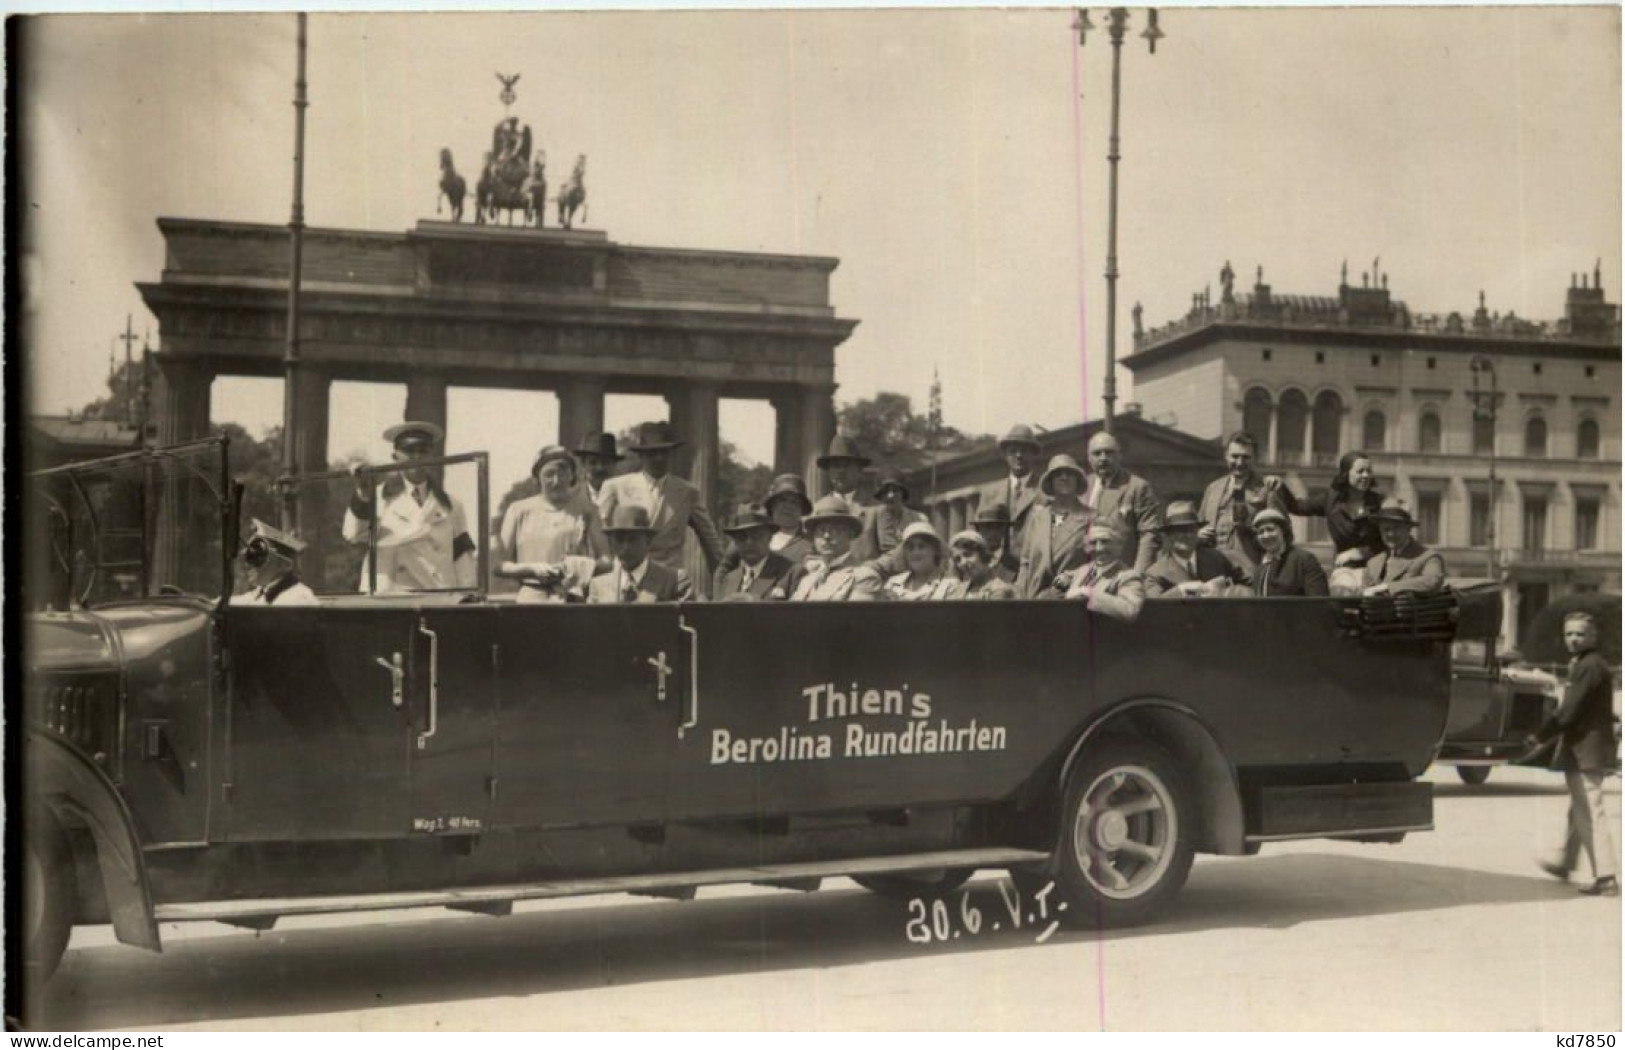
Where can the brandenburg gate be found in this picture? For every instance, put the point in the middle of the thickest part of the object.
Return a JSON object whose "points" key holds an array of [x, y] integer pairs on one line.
{"points": [[532, 309]]}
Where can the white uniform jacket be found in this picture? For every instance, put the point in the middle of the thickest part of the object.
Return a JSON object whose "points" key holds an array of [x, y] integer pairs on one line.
{"points": [[421, 545]]}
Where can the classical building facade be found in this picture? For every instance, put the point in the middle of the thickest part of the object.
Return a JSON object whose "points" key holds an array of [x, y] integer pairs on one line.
{"points": [[1311, 377]]}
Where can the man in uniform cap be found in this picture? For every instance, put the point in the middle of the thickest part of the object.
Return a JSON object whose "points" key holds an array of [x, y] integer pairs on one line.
{"points": [[1125, 500], [831, 574], [1018, 491], [973, 565], [843, 464], [598, 458], [672, 503], [636, 577], [421, 530], [1406, 565], [270, 556], [759, 574], [1186, 569]]}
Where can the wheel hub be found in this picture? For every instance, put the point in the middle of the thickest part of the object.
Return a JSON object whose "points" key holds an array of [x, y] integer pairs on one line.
{"points": [[1111, 830]]}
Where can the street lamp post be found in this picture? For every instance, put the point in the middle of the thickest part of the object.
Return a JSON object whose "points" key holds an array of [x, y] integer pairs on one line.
{"points": [[1487, 410], [1117, 27], [296, 247]]}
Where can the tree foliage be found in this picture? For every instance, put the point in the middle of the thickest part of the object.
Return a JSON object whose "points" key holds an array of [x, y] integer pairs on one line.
{"points": [[889, 432]]}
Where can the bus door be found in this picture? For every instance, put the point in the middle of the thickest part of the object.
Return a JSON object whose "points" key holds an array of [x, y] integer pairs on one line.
{"points": [[453, 654]]}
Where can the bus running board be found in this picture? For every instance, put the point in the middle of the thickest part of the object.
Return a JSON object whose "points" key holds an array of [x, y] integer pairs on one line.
{"points": [[473, 897]]}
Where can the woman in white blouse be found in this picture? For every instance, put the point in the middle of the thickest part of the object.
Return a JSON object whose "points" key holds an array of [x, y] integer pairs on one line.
{"points": [[553, 542]]}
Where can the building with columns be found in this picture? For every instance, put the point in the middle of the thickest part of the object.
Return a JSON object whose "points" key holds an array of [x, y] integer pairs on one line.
{"points": [[1311, 377], [457, 304]]}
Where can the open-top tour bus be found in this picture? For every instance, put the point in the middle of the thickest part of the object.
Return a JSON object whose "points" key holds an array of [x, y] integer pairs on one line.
{"points": [[187, 759]]}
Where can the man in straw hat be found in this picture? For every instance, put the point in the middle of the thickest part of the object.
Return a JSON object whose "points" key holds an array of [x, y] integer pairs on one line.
{"points": [[636, 577], [832, 574], [673, 504], [598, 457], [1124, 499], [421, 530], [1186, 569], [973, 567], [759, 574], [1018, 490], [270, 560], [1406, 566]]}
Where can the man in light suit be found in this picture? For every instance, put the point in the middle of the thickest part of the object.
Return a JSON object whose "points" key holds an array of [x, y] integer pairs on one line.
{"points": [[831, 574], [636, 578], [1186, 569], [1230, 502], [1125, 500], [1018, 491], [1110, 587], [1406, 565], [759, 574], [673, 504], [420, 530]]}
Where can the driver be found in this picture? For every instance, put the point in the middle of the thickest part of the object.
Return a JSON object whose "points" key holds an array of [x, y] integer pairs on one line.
{"points": [[270, 557], [422, 532]]}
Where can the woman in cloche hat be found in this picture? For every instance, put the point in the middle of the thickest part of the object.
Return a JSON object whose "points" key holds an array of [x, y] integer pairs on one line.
{"points": [[1054, 544], [923, 580], [1286, 570]]}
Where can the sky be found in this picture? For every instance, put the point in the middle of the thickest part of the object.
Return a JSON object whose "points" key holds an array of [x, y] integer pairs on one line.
{"points": [[953, 160]]}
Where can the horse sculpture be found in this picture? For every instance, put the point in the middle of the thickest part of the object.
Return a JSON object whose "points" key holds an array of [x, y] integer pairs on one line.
{"points": [[502, 185], [452, 187], [536, 192], [574, 194]]}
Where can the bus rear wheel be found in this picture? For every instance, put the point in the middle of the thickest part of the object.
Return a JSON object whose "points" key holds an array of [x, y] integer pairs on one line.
{"points": [[48, 895], [1127, 834]]}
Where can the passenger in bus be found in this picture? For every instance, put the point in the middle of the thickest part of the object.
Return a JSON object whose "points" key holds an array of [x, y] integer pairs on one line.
{"points": [[923, 578], [1111, 587], [1406, 566], [421, 530], [993, 525], [553, 541], [598, 456], [843, 467], [1018, 491], [1124, 499], [884, 523], [832, 574], [635, 576], [672, 503], [975, 579], [787, 503], [1056, 530], [1286, 569], [1583, 726], [1348, 504], [270, 560], [1186, 569], [758, 574], [1230, 503]]}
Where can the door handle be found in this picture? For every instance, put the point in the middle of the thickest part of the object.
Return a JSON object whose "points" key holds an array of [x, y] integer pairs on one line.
{"points": [[434, 684], [397, 678], [693, 718], [662, 672]]}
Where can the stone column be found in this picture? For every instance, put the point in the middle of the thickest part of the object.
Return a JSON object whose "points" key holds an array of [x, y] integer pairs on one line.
{"points": [[426, 400], [581, 408], [183, 399], [183, 536], [694, 416], [817, 425], [787, 452]]}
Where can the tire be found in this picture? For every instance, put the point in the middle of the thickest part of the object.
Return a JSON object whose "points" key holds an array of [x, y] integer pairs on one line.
{"points": [[1474, 775], [48, 896], [901, 887], [1127, 835]]}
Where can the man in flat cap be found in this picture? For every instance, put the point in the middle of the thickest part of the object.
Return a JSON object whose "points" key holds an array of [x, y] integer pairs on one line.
{"points": [[421, 530], [1125, 500], [831, 574], [270, 558], [672, 503], [1018, 491], [759, 574], [598, 457], [636, 577]]}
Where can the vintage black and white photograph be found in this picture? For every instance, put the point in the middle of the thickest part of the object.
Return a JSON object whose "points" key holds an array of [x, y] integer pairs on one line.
{"points": [[946, 519]]}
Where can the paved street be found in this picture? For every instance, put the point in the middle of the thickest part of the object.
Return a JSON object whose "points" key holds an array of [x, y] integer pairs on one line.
{"points": [[1451, 930]]}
